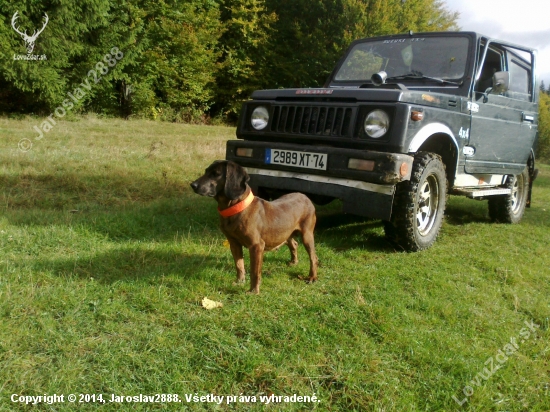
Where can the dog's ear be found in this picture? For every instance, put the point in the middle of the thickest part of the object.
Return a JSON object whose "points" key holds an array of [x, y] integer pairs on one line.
{"points": [[212, 167], [236, 179]]}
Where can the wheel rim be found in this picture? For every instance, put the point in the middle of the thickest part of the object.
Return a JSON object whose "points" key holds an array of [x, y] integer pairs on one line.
{"points": [[428, 201], [516, 194]]}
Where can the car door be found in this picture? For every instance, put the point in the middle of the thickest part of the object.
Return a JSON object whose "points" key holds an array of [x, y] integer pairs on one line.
{"points": [[522, 93], [502, 132]]}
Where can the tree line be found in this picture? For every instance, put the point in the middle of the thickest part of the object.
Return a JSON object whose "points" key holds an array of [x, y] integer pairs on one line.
{"points": [[186, 60], [543, 88], [191, 60], [543, 149]]}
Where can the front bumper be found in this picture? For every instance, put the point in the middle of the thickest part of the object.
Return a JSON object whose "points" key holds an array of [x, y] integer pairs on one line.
{"points": [[388, 169], [358, 198], [365, 193]]}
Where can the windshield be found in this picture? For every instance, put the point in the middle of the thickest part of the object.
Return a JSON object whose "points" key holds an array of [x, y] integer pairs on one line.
{"points": [[437, 57]]}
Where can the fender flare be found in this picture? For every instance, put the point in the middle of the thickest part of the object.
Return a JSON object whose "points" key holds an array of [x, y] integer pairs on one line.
{"points": [[423, 134], [430, 130]]}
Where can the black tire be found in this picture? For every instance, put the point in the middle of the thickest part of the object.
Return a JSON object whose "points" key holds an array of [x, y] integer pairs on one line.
{"points": [[510, 208], [419, 205]]}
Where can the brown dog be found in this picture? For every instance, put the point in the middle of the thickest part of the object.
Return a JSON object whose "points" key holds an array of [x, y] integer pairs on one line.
{"points": [[255, 223]]}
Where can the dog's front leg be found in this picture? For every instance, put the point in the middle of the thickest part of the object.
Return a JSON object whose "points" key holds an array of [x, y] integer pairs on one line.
{"points": [[256, 260], [237, 252]]}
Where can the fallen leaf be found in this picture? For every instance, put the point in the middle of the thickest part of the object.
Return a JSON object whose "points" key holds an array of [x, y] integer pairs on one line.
{"points": [[211, 304], [226, 244]]}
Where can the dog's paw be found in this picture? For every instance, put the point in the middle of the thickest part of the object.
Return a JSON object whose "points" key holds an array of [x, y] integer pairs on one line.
{"points": [[253, 292], [239, 282], [292, 263]]}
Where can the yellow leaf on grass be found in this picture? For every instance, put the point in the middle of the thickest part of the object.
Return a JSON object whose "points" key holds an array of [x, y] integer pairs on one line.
{"points": [[211, 304], [226, 243]]}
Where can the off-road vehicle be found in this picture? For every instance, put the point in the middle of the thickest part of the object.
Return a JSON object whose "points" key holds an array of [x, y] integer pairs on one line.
{"points": [[402, 121]]}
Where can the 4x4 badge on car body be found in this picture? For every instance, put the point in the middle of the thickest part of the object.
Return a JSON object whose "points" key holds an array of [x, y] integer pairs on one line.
{"points": [[464, 133]]}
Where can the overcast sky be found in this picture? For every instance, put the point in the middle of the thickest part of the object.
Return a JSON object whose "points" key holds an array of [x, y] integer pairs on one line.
{"points": [[525, 22]]}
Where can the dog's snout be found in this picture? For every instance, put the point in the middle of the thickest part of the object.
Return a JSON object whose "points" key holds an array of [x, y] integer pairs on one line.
{"points": [[194, 186]]}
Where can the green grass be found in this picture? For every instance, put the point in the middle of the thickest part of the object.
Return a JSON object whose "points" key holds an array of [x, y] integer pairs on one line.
{"points": [[105, 255]]}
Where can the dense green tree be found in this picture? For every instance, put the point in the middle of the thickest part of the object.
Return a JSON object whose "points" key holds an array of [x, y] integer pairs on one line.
{"points": [[172, 74], [167, 56], [304, 50], [543, 149], [308, 35], [68, 42], [180, 60], [247, 33]]}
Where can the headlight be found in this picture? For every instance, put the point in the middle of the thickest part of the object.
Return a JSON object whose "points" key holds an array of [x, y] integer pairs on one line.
{"points": [[259, 118], [377, 123]]}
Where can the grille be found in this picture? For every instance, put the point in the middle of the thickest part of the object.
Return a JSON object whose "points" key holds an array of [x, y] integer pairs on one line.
{"points": [[312, 120]]}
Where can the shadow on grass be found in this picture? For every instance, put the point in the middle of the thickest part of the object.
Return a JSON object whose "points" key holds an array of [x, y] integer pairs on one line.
{"points": [[131, 208], [161, 220], [135, 264], [462, 211], [345, 232], [71, 190], [460, 214]]}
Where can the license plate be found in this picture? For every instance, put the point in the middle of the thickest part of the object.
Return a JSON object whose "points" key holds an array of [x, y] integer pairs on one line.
{"points": [[306, 160]]}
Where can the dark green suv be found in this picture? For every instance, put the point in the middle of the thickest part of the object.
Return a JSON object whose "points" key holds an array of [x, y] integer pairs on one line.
{"points": [[401, 122]]}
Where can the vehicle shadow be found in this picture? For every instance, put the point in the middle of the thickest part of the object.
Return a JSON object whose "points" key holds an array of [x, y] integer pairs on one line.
{"points": [[460, 213], [342, 231]]}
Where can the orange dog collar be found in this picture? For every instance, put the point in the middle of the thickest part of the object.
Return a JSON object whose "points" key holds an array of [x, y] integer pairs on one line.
{"points": [[239, 207]]}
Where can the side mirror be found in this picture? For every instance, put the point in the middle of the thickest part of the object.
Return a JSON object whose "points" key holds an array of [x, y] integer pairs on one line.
{"points": [[501, 82]]}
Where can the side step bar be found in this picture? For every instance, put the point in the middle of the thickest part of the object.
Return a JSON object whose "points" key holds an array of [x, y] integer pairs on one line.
{"points": [[481, 193]]}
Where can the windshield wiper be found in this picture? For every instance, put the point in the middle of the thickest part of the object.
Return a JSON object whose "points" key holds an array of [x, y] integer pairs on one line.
{"points": [[420, 76]]}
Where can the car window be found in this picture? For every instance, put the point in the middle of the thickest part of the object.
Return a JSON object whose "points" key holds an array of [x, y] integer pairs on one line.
{"points": [[519, 67], [505, 58], [494, 62], [441, 57], [519, 80]]}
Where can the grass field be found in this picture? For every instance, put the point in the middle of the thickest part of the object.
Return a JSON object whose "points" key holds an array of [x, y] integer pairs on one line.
{"points": [[106, 254]]}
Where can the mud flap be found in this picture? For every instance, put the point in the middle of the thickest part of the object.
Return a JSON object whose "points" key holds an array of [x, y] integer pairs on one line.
{"points": [[533, 173]]}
